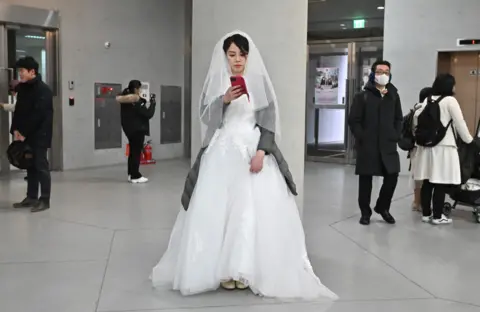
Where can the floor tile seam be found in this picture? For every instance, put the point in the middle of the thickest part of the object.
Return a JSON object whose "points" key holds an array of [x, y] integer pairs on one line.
{"points": [[459, 302], [78, 223], [266, 304], [53, 262], [99, 297], [386, 263], [357, 214]]}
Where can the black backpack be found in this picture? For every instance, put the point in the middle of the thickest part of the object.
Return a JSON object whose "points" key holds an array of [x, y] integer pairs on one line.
{"points": [[407, 139], [430, 130]]}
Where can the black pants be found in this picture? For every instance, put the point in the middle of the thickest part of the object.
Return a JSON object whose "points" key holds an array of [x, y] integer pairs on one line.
{"points": [[385, 197], [433, 194], [136, 141], [39, 175]]}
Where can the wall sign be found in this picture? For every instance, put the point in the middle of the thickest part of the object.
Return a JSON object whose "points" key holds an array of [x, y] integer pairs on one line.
{"points": [[467, 42], [145, 92]]}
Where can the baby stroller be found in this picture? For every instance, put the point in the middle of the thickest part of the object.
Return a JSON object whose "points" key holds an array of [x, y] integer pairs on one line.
{"points": [[467, 194]]}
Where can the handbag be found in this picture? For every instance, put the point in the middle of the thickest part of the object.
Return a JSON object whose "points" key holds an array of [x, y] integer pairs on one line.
{"points": [[20, 155]]}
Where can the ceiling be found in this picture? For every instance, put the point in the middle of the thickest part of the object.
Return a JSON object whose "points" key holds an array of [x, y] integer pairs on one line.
{"points": [[333, 19]]}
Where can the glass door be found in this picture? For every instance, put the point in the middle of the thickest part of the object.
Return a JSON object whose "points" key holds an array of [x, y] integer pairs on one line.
{"points": [[364, 54], [41, 44], [327, 99], [336, 72]]}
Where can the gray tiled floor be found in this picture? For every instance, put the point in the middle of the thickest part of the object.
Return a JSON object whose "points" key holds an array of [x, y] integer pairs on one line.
{"points": [[94, 249]]}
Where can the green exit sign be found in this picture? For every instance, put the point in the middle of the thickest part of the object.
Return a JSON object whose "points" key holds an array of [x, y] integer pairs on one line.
{"points": [[358, 23]]}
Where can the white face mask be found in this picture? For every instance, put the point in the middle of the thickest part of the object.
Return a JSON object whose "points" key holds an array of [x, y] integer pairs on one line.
{"points": [[382, 80]]}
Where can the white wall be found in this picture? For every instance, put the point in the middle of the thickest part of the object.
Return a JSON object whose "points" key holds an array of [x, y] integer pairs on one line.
{"points": [[415, 30], [147, 43], [279, 29]]}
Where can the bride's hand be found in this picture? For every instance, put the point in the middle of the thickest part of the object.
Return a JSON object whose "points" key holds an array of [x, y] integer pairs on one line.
{"points": [[256, 165], [232, 94]]}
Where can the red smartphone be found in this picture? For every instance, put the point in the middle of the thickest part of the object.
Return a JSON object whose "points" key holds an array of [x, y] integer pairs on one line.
{"points": [[239, 81]]}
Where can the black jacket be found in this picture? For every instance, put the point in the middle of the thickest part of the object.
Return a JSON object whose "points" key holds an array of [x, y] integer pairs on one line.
{"points": [[33, 116], [136, 116], [376, 124]]}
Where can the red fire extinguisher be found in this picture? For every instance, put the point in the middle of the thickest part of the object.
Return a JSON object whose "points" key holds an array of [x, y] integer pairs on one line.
{"points": [[146, 157]]}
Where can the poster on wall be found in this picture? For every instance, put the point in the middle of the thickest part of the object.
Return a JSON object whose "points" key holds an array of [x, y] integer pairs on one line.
{"points": [[145, 92], [326, 86], [366, 70]]}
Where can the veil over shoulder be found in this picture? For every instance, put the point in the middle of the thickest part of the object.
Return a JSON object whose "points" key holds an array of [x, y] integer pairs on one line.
{"points": [[259, 86]]}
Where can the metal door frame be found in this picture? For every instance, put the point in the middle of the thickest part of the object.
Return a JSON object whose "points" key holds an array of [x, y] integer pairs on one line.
{"points": [[17, 17], [354, 47]]}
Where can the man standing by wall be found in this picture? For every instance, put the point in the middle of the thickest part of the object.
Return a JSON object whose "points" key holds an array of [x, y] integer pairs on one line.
{"points": [[33, 124], [376, 121]]}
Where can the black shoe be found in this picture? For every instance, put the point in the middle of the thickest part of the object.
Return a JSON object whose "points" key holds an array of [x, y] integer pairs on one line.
{"points": [[26, 178], [386, 216], [26, 203], [41, 206], [365, 220]]}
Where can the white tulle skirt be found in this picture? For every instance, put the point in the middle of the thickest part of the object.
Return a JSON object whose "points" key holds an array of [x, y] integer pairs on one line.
{"points": [[239, 226]]}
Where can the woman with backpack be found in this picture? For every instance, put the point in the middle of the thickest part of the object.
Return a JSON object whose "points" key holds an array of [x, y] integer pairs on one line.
{"points": [[437, 123], [417, 205]]}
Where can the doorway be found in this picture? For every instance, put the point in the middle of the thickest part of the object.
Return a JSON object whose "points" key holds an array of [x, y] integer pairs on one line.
{"points": [[336, 71], [20, 38], [465, 67]]}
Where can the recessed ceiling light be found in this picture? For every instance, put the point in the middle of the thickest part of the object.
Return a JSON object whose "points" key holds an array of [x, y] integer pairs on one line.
{"points": [[35, 37], [342, 25], [381, 8]]}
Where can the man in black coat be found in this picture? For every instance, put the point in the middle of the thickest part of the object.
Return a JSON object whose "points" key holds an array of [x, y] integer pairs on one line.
{"points": [[33, 123], [376, 120]]}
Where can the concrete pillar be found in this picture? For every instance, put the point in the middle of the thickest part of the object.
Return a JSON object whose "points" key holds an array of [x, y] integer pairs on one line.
{"points": [[279, 29]]}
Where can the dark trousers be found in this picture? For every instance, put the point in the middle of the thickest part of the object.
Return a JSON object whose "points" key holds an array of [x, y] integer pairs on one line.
{"points": [[39, 175], [136, 141], [433, 194], [385, 197]]}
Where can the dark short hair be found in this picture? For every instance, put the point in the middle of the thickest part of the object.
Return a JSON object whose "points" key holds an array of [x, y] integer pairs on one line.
{"points": [[424, 93], [240, 41], [28, 63], [443, 85], [380, 62]]}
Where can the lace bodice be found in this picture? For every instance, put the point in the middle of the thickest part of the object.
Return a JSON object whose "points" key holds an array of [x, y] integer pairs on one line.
{"points": [[239, 115]]}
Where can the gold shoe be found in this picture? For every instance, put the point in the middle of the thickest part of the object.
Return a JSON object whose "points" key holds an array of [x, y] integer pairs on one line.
{"points": [[240, 285], [229, 285]]}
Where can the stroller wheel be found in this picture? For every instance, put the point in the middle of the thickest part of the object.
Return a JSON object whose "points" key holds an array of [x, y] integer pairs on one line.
{"points": [[447, 209], [476, 215]]}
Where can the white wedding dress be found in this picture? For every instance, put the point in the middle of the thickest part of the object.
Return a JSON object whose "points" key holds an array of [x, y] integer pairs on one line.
{"points": [[239, 225]]}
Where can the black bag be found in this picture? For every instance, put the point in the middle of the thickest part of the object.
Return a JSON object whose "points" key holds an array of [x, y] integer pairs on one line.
{"points": [[407, 139], [20, 155], [430, 130]]}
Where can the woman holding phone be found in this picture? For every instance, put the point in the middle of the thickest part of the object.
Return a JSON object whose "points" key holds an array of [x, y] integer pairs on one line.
{"points": [[136, 115], [240, 226]]}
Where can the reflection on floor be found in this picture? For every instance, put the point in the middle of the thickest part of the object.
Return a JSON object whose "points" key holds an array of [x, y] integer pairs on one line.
{"points": [[94, 249], [329, 150]]}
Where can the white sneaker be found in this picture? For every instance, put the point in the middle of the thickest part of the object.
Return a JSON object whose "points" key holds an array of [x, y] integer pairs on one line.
{"points": [[442, 220], [427, 219], [139, 180]]}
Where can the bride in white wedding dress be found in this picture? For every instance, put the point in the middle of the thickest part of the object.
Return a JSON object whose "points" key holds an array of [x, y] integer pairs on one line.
{"points": [[240, 227]]}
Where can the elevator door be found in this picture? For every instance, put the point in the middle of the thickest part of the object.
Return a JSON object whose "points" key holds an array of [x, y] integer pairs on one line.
{"points": [[465, 68]]}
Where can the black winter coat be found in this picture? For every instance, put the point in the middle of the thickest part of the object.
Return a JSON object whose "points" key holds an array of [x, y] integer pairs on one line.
{"points": [[376, 124], [33, 116], [136, 116]]}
